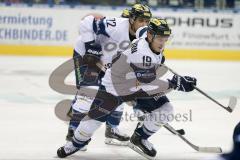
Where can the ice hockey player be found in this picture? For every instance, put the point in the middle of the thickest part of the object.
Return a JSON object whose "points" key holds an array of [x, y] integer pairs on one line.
{"points": [[134, 73], [103, 38], [142, 107], [157, 105]]}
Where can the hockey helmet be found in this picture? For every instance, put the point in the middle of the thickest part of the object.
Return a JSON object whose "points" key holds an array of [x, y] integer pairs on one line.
{"points": [[125, 13], [159, 26], [140, 10]]}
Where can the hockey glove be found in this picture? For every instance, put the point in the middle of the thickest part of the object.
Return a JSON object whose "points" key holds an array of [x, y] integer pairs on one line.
{"points": [[185, 83], [93, 48], [93, 53]]}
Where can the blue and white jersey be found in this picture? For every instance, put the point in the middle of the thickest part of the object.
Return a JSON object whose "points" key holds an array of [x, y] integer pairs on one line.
{"points": [[142, 33], [113, 36], [111, 33], [133, 70]]}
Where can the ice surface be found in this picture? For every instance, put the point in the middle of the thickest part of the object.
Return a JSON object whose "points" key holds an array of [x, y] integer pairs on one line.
{"points": [[30, 130]]}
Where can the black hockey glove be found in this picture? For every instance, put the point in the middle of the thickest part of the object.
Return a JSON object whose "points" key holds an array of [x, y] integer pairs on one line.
{"points": [[93, 48], [93, 53], [185, 83]]}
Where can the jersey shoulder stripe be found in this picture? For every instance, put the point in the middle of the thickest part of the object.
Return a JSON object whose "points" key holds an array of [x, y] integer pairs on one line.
{"points": [[144, 30], [141, 32]]}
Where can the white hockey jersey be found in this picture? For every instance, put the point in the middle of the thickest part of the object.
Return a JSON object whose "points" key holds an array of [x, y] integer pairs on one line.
{"points": [[111, 33], [133, 70]]}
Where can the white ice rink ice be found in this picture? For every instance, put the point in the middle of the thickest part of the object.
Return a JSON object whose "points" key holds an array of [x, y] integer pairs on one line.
{"points": [[31, 131]]}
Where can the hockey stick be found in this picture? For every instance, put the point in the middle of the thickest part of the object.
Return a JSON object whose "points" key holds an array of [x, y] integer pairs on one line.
{"points": [[231, 104], [197, 148], [232, 101], [180, 131]]}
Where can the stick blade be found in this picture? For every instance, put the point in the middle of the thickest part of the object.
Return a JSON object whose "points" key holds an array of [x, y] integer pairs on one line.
{"points": [[232, 103], [210, 149]]}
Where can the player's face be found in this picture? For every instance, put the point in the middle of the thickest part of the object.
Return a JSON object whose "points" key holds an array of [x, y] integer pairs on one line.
{"points": [[159, 42], [140, 22]]}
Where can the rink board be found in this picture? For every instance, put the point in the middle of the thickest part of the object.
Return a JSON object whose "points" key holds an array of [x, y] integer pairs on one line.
{"points": [[53, 31], [17, 50]]}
